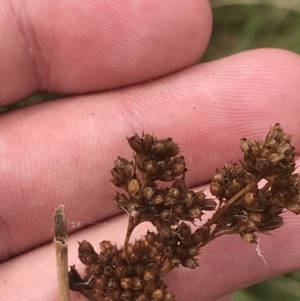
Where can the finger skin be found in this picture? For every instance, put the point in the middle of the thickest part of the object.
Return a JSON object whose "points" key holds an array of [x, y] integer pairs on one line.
{"points": [[61, 152], [226, 265], [84, 46]]}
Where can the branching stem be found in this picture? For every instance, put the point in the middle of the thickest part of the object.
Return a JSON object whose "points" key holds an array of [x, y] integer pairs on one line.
{"points": [[218, 214]]}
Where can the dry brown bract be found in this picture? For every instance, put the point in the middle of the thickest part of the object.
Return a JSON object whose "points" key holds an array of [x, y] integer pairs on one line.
{"points": [[135, 271]]}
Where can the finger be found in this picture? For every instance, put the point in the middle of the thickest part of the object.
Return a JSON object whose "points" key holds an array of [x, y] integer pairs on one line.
{"points": [[225, 298], [226, 265], [79, 47], [61, 152]]}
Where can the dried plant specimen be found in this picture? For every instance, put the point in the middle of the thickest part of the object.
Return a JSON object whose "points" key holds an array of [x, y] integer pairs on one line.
{"points": [[135, 271]]}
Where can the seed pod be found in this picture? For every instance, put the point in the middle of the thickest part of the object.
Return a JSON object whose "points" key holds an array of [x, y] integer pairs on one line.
{"points": [[190, 263], [184, 230], [109, 298], [249, 237], [138, 270], [158, 199], [158, 148], [264, 152], [136, 143], [149, 275], [245, 145], [133, 186], [100, 283], [174, 261], [112, 284], [169, 296], [129, 170], [149, 286], [157, 294], [194, 251], [87, 254], [108, 271], [105, 245], [293, 207], [143, 297], [255, 216], [178, 169], [249, 198], [167, 176], [136, 283], [127, 295], [209, 205], [126, 283], [121, 272], [195, 212], [171, 148], [274, 157], [189, 198], [121, 200], [215, 188], [175, 193], [147, 193]]}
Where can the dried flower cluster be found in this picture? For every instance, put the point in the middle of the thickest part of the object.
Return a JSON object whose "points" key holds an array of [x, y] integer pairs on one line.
{"points": [[135, 271]]}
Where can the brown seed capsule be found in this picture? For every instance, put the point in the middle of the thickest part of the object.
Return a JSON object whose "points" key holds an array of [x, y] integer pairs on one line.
{"points": [[245, 145], [147, 193], [249, 237], [108, 271], [178, 169], [274, 157], [157, 294], [190, 263], [136, 283], [100, 283], [121, 272], [255, 216], [264, 152], [149, 275], [105, 245], [215, 188], [293, 207], [194, 251], [112, 284], [249, 198], [133, 186], [169, 296], [189, 198], [158, 199], [138, 270], [143, 297], [87, 254], [195, 212], [174, 261], [127, 295], [126, 283], [109, 298], [149, 286], [209, 205]]}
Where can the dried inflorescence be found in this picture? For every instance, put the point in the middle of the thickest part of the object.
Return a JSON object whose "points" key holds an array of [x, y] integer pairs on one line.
{"points": [[135, 271]]}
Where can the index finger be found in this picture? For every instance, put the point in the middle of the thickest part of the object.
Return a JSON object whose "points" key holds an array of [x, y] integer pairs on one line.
{"points": [[84, 46]]}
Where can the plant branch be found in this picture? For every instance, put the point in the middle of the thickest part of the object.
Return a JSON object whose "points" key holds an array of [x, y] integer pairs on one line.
{"points": [[218, 214]]}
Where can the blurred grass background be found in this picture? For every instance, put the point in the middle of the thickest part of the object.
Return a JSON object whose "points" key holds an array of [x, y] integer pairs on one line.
{"points": [[241, 25]]}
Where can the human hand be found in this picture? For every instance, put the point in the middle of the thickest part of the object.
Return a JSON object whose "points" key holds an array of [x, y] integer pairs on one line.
{"points": [[60, 152]]}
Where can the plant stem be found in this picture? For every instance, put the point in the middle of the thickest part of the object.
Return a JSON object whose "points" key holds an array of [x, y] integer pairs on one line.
{"points": [[132, 223], [61, 249], [218, 214]]}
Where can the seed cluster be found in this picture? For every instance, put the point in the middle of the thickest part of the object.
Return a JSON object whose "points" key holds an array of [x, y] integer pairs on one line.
{"points": [[135, 271]]}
